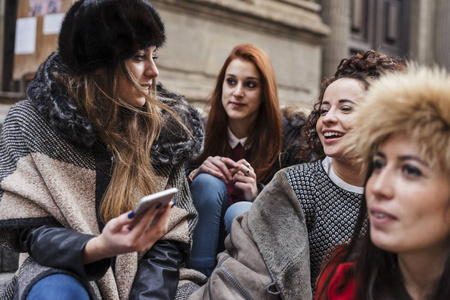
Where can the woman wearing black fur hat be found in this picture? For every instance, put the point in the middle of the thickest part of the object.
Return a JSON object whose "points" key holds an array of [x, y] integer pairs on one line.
{"points": [[96, 134]]}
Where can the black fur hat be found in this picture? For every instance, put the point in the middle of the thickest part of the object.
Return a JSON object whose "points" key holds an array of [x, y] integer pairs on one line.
{"points": [[100, 33]]}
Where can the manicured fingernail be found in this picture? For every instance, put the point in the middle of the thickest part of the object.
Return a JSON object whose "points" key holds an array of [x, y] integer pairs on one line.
{"points": [[173, 204], [131, 214], [158, 206]]}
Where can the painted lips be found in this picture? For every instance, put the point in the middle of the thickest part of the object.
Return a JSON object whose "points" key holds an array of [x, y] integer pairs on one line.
{"points": [[380, 218], [237, 104]]}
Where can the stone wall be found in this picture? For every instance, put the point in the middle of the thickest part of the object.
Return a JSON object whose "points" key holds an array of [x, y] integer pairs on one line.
{"points": [[201, 34]]}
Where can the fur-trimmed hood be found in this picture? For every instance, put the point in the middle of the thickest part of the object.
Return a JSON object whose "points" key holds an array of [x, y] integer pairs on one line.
{"points": [[59, 109]]}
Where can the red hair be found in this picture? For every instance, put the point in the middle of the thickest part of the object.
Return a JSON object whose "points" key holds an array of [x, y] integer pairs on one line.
{"points": [[267, 129]]}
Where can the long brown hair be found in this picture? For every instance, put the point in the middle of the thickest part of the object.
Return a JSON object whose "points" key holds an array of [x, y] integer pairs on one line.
{"points": [[363, 67], [267, 127], [415, 104], [128, 132]]}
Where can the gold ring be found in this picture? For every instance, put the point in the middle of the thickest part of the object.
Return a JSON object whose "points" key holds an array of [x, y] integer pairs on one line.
{"points": [[246, 172]]}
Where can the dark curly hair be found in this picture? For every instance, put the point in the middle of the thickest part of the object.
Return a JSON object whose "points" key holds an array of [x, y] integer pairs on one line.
{"points": [[363, 67]]}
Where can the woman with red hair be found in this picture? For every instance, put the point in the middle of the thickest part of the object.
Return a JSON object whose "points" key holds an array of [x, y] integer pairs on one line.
{"points": [[243, 149]]}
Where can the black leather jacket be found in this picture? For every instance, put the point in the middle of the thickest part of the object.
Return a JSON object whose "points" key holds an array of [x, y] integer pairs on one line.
{"points": [[58, 247]]}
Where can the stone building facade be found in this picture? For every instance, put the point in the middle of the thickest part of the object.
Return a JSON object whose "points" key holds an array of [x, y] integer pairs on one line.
{"points": [[305, 39], [415, 29], [201, 34]]}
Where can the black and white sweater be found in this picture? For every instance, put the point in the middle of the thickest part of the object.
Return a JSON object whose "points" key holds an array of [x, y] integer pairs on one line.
{"points": [[330, 211]]}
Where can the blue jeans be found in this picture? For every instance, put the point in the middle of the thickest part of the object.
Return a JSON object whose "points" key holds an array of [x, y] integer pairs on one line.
{"points": [[235, 210], [56, 287], [210, 198]]}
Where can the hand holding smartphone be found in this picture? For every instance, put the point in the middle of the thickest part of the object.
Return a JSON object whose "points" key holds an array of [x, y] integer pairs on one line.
{"points": [[150, 201]]}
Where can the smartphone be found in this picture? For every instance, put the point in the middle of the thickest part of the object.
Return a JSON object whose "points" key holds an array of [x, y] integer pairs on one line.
{"points": [[149, 201]]}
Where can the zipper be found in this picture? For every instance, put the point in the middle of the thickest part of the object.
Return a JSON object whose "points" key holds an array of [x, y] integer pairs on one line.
{"points": [[218, 265], [272, 288], [236, 283], [230, 277]]}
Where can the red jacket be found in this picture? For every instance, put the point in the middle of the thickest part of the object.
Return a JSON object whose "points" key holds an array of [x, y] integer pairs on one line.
{"points": [[348, 292]]}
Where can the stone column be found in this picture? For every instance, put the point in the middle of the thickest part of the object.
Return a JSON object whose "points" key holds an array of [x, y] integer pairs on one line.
{"points": [[2, 39], [421, 31], [442, 33], [336, 14]]}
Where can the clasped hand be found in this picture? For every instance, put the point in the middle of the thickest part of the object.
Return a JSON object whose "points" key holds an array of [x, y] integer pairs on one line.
{"points": [[240, 172]]}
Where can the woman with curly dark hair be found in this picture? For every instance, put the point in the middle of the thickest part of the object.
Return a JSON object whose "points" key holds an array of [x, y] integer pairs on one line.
{"points": [[336, 178], [363, 67], [308, 208]]}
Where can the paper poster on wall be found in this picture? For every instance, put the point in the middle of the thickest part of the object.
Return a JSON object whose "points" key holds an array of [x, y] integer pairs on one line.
{"points": [[25, 42], [52, 23], [44, 7]]}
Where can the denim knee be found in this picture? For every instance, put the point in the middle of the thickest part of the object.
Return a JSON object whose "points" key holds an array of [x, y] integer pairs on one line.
{"points": [[208, 193], [210, 198], [208, 190], [235, 210], [58, 286]]}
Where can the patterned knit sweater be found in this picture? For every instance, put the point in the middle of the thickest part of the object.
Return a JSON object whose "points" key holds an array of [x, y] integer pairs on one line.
{"points": [[330, 211], [50, 175]]}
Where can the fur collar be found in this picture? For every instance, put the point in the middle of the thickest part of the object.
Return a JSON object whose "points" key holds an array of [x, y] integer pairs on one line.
{"points": [[59, 109]]}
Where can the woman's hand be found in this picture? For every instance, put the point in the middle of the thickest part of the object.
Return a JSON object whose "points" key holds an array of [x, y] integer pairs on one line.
{"points": [[117, 238], [218, 166], [245, 179]]}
